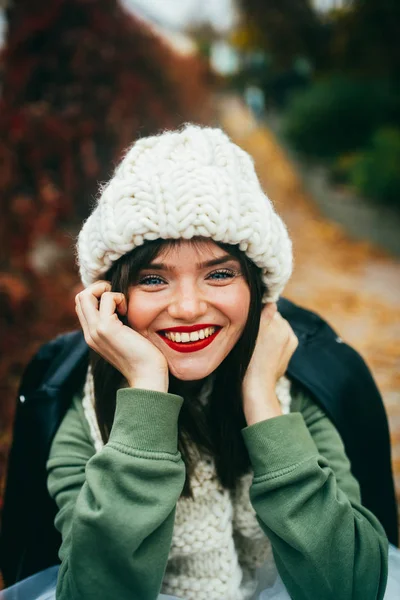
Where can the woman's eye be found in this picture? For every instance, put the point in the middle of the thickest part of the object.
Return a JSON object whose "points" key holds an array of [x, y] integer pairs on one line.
{"points": [[151, 280], [222, 274]]}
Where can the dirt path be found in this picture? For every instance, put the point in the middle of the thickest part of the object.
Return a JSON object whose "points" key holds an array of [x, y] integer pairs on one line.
{"points": [[353, 284]]}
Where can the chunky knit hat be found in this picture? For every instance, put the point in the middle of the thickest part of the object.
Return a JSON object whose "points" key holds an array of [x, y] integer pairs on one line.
{"points": [[182, 184]]}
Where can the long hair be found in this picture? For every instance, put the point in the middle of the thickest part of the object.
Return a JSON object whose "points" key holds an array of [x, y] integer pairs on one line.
{"points": [[214, 428]]}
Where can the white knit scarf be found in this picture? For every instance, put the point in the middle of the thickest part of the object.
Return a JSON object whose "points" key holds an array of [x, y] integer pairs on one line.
{"points": [[217, 546]]}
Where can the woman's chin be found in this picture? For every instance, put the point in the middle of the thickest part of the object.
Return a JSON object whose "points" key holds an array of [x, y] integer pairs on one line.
{"points": [[190, 372], [189, 376]]}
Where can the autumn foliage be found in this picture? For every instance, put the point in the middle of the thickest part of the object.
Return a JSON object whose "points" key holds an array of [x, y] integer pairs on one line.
{"points": [[80, 81]]}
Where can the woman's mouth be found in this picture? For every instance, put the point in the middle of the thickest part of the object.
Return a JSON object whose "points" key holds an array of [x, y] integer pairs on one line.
{"points": [[190, 339]]}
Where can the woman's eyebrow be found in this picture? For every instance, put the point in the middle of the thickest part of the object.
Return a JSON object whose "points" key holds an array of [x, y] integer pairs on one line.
{"points": [[203, 265]]}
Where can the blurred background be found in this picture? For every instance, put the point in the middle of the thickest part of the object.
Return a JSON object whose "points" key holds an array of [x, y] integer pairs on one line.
{"points": [[310, 88]]}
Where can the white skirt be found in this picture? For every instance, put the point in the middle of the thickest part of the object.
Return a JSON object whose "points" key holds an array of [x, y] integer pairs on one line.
{"points": [[42, 586]]}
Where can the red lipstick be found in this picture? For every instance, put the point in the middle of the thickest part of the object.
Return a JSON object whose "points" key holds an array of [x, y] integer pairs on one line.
{"points": [[190, 346]]}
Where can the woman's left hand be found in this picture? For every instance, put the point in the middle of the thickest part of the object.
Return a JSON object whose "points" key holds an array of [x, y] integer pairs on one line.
{"points": [[276, 343]]}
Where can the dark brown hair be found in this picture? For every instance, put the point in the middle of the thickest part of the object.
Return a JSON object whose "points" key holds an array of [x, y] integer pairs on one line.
{"points": [[215, 428]]}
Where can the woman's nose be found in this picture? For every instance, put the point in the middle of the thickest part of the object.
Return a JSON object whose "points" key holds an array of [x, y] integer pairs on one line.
{"points": [[188, 304]]}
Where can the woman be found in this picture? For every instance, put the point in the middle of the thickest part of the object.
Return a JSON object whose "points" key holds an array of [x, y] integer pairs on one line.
{"points": [[189, 465]]}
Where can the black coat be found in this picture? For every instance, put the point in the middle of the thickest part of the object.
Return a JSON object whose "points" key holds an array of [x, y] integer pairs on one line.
{"points": [[327, 368]]}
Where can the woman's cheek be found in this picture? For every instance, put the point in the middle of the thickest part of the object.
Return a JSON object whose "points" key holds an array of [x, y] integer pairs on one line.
{"points": [[235, 303], [138, 314]]}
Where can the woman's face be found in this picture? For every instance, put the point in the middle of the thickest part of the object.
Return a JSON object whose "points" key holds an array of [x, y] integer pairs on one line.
{"points": [[192, 303]]}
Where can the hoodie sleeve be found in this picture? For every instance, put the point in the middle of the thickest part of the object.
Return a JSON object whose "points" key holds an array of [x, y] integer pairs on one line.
{"points": [[325, 543], [117, 507]]}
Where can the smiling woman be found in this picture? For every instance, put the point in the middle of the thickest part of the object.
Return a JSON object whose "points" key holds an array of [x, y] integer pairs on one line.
{"points": [[189, 304], [199, 303], [190, 464]]}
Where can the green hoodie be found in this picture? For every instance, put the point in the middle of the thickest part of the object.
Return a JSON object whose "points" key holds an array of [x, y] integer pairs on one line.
{"points": [[117, 506]]}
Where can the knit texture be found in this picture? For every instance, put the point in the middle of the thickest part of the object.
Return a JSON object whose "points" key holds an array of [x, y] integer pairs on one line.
{"points": [[180, 185], [217, 544]]}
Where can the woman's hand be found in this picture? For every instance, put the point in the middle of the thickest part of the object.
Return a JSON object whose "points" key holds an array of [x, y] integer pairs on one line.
{"points": [[276, 343], [139, 361]]}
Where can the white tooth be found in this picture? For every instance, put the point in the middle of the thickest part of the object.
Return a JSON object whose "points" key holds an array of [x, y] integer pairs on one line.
{"points": [[185, 337], [194, 336], [168, 335], [209, 331], [201, 334], [177, 337]]}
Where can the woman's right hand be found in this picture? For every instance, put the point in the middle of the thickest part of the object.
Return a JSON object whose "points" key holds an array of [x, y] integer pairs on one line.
{"points": [[139, 361]]}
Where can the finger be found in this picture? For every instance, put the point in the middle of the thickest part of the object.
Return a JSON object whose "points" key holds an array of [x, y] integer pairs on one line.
{"points": [[294, 341], [269, 310], [277, 321], [110, 303], [272, 307], [83, 322], [89, 305], [79, 312], [94, 292], [281, 328], [91, 295], [122, 306], [99, 287]]}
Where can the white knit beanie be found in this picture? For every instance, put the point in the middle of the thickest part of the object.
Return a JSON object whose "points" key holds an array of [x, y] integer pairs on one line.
{"points": [[182, 184]]}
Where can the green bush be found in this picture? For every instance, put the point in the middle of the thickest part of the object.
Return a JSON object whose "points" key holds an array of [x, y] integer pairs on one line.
{"points": [[375, 173], [336, 116], [341, 166]]}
